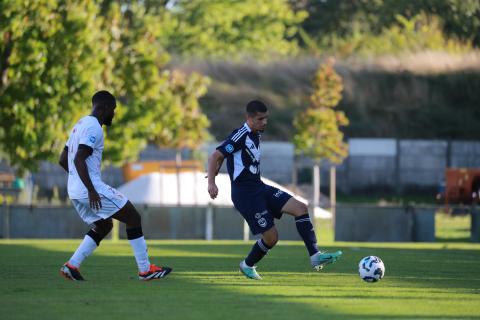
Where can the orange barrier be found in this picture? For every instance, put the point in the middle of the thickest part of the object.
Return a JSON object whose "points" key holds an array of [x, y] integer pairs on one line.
{"points": [[461, 185], [6, 180], [136, 169]]}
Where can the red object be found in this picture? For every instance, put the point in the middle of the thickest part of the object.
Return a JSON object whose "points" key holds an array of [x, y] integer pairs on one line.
{"points": [[462, 185]]}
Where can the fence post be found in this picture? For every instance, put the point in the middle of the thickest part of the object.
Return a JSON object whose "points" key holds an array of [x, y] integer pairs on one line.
{"points": [[246, 231], [398, 179], [209, 223], [474, 224], [6, 221], [115, 230]]}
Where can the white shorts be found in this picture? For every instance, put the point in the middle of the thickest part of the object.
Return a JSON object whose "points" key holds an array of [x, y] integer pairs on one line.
{"points": [[112, 202]]}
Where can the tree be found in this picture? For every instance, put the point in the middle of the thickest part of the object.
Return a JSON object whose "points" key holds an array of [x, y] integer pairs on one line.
{"points": [[317, 128], [55, 54], [134, 72], [186, 125], [218, 28], [331, 21], [44, 48]]}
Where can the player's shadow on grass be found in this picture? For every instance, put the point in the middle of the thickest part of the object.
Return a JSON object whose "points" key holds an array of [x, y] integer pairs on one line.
{"points": [[206, 284]]}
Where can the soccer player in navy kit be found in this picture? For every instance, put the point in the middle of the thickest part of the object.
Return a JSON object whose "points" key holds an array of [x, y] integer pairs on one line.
{"points": [[260, 203]]}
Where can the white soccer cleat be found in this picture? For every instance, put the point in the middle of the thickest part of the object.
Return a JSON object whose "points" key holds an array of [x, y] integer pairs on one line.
{"points": [[321, 259], [249, 272]]}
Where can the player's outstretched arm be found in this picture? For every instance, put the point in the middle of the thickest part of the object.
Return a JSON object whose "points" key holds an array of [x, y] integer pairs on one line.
{"points": [[82, 154], [215, 162], [63, 161]]}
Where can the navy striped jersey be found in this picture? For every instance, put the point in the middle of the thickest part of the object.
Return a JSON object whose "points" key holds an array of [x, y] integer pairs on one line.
{"points": [[242, 151]]}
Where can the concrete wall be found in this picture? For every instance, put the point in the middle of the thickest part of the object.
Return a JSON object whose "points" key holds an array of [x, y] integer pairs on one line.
{"points": [[157, 222], [353, 223], [384, 224], [40, 222], [423, 224]]}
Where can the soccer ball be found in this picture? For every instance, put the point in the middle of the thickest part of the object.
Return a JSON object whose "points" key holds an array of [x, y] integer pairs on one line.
{"points": [[371, 269]]}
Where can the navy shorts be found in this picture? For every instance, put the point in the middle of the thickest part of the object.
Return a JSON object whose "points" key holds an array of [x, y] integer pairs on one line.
{"points": [[259, 205]]}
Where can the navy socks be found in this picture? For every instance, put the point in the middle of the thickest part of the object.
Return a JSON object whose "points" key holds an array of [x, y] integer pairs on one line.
{"points": [[306, 231], [259, 250]]}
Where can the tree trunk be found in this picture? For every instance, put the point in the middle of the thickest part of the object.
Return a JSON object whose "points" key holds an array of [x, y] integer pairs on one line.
{"points": [[333, 193], [295, 175], [316, 185], [178, 165]]}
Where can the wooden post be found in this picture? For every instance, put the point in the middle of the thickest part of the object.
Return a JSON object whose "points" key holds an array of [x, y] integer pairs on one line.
{"points": [[316, 185], [333, 193]]}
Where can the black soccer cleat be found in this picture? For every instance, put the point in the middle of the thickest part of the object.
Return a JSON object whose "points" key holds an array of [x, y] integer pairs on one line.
{"points": [[154, 273], [70, 272]]}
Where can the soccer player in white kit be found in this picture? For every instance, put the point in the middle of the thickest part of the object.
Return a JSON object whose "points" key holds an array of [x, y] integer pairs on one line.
{"points": [[95, 201]]}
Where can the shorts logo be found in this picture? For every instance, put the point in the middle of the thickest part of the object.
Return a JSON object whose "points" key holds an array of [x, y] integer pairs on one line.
{"points": [[278, 193], [253, 169], [258, 215], [262, 222], [229, 148], [92, 139]]}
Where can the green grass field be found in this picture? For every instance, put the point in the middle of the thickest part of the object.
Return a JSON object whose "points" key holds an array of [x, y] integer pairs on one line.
{"points": [[430, 281]]}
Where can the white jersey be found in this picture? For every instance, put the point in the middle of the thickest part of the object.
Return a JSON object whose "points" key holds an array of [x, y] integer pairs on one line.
{"points": [[87, 131]]}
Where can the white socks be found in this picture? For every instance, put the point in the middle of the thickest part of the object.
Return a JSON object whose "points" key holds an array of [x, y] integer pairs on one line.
{"points": [[88, 245], [139, 247], [85, 249]]}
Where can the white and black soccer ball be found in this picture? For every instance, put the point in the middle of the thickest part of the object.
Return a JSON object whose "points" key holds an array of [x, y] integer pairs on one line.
{"points": [[371, 269]]}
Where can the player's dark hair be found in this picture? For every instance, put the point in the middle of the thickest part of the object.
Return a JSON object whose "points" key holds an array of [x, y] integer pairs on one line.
{"points": [[103, 99], [255, 106]]}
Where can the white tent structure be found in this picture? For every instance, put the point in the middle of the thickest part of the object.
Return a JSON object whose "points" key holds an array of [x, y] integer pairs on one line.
{"points": [[190, 189], [164, 189]]}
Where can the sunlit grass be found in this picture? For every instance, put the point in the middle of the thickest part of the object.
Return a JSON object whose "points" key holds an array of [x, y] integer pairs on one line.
{"points": [[426, 280], [452, 227]]}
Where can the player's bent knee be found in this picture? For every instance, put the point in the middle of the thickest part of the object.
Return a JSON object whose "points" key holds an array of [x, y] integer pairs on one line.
{"points": [[270, 237], [302, 208], [109, 224], [299, 209], [133, 217], [295, 208], [136, 219], [103, 227], [129, 215], [271, 241]]}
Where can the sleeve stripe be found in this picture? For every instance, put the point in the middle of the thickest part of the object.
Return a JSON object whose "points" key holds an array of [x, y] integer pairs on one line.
{"points": [[239, 134]]}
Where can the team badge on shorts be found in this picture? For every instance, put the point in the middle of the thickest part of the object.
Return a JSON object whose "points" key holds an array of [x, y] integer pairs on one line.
{"points": [[92, 139], [262, 222], [229, 148]]}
